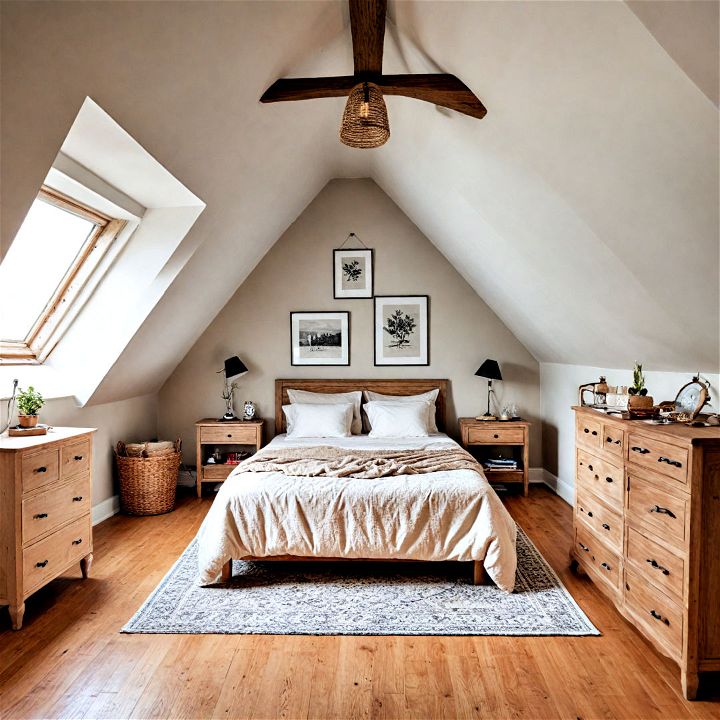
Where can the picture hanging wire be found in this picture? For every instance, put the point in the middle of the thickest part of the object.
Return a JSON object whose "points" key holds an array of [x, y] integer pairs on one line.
{"points": [[354, 236]]}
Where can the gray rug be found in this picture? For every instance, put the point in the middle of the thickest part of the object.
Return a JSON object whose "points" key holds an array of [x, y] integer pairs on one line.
{"points": [[286, 598]]}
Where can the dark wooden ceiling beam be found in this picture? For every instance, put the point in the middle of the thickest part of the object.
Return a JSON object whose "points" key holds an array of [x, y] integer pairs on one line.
{"points": [[367, 24], [439, 89]]}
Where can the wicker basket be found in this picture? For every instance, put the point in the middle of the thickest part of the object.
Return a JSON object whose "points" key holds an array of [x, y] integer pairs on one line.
{"points": [[147, 484]]}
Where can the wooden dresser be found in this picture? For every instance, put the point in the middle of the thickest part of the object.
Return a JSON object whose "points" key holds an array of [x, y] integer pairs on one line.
{"points": [[647, 531], [45, 503]]}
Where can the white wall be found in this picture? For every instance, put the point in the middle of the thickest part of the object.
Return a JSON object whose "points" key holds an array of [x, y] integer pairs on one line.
{"points": [[296, 274], [559, 392], [134, 419]]}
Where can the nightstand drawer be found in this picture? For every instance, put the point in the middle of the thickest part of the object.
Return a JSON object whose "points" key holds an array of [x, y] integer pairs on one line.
{"points": [[598, 559], [612, 440], [40, 469], [75, 459], [659, 566], [52, 508], [496, 436], [235, 434]]}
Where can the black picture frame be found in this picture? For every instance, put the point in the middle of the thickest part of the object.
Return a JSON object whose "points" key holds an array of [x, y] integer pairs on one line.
{"points": [[378, 332], [367, 292], [344, 360]]}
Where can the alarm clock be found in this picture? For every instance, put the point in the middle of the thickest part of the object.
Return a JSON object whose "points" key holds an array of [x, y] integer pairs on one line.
{"points": [[248, 410]]}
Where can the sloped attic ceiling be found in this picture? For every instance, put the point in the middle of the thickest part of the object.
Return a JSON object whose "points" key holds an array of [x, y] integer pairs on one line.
{"points": [[583, 208]]}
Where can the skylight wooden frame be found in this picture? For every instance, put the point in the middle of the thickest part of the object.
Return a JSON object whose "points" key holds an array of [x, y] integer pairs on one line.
{"points": [[61, 308]]}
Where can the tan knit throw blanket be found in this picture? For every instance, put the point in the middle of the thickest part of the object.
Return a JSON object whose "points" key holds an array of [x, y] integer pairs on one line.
{"points": [[328, 461]]}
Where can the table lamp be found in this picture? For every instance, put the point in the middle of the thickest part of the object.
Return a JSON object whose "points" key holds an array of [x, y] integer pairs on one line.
{"points": [[490, 370], [234, 367]]}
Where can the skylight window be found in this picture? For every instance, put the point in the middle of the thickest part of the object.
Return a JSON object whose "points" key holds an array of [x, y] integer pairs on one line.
{"points": [[54, 253]]}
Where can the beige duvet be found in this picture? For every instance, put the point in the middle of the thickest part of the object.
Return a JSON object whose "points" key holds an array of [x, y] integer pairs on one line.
{"points": [[445, 514]]}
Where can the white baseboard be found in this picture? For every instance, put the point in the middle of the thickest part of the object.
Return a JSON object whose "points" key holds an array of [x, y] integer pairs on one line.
{"points": [[558, 486], [105, 509]]}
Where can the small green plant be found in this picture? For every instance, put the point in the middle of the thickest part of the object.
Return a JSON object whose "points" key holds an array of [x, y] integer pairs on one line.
{"points": [[638, 386], [29, 401]]}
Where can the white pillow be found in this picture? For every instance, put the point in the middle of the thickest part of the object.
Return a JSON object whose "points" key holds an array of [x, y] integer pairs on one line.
{"points": [[355, 397], [430, 396], [321, 420], [392, 419]]}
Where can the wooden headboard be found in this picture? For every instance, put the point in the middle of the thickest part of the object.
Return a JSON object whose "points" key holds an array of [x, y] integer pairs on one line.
{"points": [[387, 387]]}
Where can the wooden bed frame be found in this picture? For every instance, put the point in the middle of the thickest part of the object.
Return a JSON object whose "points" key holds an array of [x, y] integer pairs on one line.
{"points": [[386, 387]]}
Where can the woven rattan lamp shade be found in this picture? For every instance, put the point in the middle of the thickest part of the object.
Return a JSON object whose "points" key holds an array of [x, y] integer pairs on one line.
{"points": [[365, 127]]}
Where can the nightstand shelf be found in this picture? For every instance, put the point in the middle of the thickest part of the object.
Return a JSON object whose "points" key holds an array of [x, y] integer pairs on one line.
{"points": [[230, 436], [486, 439]]}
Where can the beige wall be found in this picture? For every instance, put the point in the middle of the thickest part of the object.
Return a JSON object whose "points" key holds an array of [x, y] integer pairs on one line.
{"points": [[296, 274], [134, 419]]}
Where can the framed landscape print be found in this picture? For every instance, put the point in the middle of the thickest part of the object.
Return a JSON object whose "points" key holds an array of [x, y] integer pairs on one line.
{"points": [[319, 338], [353, 273], [402, 330]]}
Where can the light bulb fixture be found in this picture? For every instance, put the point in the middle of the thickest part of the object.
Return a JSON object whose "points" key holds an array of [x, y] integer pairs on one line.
{"points": [[365, 120]]}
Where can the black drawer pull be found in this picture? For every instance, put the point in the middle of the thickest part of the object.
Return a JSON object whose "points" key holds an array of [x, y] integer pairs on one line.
{"points": [[674, 463], [641, 450], [229, 435], [586, 430], [39, 516], [589, 513], [608, 479], [662, 511], [584, 547], [78, 457], [77, 498], [590, 468], [605, 566], [658, 616], [608, 439], [77, 542], [657, 566], [496, 436], [594, 432], [40, 469], [41, 564], [606, 526]]}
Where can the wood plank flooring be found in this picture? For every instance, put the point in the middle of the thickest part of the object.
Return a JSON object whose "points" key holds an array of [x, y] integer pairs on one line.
{"points": [[69, 661]]}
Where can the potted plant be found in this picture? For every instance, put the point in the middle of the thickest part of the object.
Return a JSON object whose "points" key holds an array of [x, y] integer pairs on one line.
{"points": [[28, 403], [639, 397]]}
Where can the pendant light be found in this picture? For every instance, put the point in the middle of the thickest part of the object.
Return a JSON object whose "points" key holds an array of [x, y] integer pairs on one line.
{"points": [[365, 120]]}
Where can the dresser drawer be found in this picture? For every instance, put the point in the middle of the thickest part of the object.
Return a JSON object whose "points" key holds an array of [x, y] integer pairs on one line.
{"points": [[40, 469], [52, 508], [601, 477], [599, 560], [659, 456], [48, 558], [613, 440], [657, 614], [656, 508], [588, 431], [604, 523], [232, 434], [75, 459], [655, 563], [496, 436]]}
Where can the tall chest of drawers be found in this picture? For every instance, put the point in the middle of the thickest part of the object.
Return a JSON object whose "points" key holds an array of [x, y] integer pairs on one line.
{"points": [[647, 531], [45, 504]]}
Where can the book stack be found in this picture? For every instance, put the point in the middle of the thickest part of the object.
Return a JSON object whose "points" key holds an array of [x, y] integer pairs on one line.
{"points": [[500, 464]]}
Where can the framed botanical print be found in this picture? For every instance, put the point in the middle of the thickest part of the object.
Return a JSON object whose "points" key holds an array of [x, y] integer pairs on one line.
{"points": [[319, 338], [402, 330], [353, 273]]}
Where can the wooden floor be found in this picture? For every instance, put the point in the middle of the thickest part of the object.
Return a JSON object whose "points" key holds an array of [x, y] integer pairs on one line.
{"points": [[70, 661]]}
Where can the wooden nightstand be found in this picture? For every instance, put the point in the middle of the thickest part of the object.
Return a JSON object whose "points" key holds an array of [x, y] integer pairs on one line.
{"points": [[212, 433], [487, 435]]}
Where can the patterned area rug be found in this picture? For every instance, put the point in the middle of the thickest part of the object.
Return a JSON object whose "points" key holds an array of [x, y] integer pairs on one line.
{"points": [[286, 598]]}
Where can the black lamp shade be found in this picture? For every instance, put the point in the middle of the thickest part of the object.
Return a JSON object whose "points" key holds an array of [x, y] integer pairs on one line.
{"points": [[234, 366], [490, 370]]}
